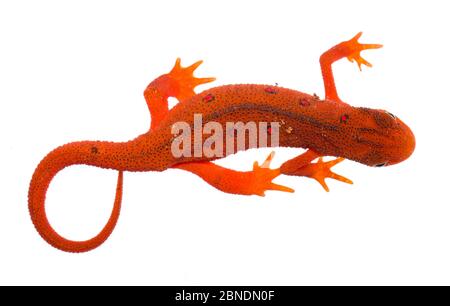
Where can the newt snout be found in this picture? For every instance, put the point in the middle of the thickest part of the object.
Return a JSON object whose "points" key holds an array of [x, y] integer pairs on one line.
{"points": [[389, 138], [405, 144]]}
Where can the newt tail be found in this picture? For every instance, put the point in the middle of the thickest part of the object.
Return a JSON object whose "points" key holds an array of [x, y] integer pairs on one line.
{"points": [[45, 172]]}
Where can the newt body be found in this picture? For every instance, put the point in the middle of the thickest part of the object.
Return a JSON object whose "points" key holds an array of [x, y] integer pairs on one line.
{"points": [[326, 127], [367, 136]]}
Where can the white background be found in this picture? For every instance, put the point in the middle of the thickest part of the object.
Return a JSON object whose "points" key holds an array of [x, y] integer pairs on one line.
{"points": [[76, 71]]}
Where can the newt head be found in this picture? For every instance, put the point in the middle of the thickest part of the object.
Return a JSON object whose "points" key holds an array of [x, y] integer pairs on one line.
{"points": [[405, 143], [390, 140]]}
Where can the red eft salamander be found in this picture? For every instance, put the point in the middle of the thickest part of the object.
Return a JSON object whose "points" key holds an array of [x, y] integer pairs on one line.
{"points": [[328, 127]]}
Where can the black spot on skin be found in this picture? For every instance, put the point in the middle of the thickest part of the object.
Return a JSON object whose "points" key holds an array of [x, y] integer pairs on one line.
{"points": [[94, 150]]}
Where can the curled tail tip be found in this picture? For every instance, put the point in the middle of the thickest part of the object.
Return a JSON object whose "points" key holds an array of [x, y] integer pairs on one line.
{"points": [[36, 198]]}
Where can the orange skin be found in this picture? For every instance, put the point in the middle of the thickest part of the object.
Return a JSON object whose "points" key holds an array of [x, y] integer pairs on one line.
{"points": [[328, 127]]}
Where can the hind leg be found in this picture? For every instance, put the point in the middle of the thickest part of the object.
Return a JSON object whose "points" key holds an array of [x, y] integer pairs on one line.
{"points": [[254, 182], [179, 83]]}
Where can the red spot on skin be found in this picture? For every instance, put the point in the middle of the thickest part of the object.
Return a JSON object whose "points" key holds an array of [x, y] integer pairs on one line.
{"points": [[304, 102], [269, 130], [270, 90], [208, 98], [344, 118]]}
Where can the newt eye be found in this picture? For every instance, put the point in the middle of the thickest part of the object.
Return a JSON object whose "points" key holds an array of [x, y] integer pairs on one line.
{"points": [[391, 114], [381, 164]]}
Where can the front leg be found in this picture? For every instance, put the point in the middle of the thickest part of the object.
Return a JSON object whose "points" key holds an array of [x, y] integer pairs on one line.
{"points": [[302, 166], [350, 49]]}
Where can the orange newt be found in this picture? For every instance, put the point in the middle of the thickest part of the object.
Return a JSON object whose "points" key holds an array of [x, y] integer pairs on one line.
{"points": [[328, 127]]}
